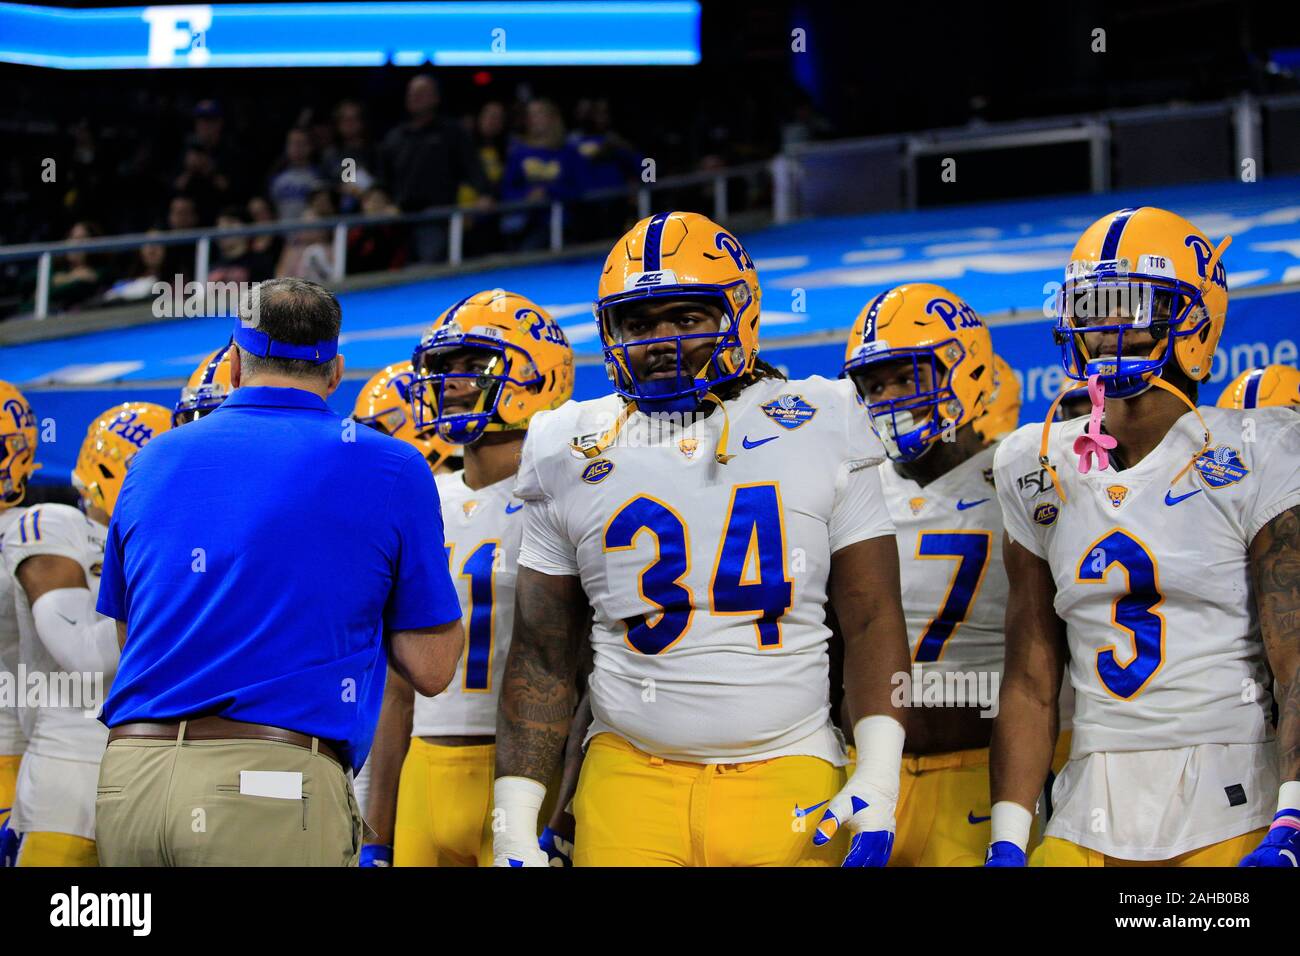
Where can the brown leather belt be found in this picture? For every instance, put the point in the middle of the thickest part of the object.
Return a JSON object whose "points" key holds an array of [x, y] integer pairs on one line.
{"points": [[220, 728]]}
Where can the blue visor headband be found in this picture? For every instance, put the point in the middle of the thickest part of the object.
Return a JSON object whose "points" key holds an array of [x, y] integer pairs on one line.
{"points": [[256, 342]]}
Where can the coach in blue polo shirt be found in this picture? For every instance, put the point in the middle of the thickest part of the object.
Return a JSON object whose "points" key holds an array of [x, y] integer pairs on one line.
{"points": [[265, 564]]}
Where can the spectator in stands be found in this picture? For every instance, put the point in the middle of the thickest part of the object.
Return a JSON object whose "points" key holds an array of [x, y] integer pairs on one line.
{"points": [[482, 233], [200, 179], [423, 163], [149, 269], [210, 137], [539, 166], [309, 254], [259, 211], [350, 160], [182, 213], [292, 186], [376, 248], [235, 259], [608, 163], [79, 277]]}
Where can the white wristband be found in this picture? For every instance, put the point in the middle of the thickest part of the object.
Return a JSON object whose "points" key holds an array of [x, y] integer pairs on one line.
{"points": [[879, 742], [1288, 796], [1011, 823], [517, 801]]}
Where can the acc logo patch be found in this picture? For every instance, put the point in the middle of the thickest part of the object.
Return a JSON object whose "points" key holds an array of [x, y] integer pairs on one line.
{"points": [[1221, 467], [789, 411], [1046, 515], [597, 471], [1116, 494]]}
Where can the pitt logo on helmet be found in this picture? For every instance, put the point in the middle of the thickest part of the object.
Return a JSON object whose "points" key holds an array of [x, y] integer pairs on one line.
{"points": [[504, 358], [111, 442], [674, 256], [918, 376], [18, 452]]}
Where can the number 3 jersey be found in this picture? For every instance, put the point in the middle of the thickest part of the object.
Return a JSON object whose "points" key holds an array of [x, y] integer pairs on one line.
{"points": [[1153, 584], [482, 530], [708, 581], [950, 563]]}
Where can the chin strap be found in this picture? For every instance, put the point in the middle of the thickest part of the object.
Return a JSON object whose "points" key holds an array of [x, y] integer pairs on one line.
{"points": [[607, 439], [1066, 388], [1159, 382], [721, 456]]}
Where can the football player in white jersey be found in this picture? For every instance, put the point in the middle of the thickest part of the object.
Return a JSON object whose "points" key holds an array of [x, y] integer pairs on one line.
{"points": [[922, 362], [55, 554], [1156, 557], [483, 370], [17, 462], [706, 514]]}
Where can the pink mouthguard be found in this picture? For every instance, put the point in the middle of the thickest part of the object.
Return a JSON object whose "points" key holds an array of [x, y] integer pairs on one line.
{"points": [[1094, 441]]}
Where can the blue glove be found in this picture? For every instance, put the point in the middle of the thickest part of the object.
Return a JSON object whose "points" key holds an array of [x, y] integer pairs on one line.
{"points": [[1281, 845], [559, 851], [376, 854], [869, 815], [9, 840], [1005, 853]]}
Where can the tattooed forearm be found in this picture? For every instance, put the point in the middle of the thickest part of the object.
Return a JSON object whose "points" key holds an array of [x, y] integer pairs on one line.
{"points": [[1275, 566], [538, 695]]}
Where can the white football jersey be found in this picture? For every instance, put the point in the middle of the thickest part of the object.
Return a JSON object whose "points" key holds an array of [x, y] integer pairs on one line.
{"points": [[708, 581], [12, 738], [482, 529], [950, 564], [66, 725], [1153, 584]]}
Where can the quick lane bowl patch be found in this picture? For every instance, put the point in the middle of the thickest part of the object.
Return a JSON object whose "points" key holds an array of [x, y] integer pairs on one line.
{"points": [[789, 411], [1221, 467], [597, 471]]}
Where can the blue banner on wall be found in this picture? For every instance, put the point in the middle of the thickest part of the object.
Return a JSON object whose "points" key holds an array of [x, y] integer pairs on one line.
{"points": [[645, 32]]}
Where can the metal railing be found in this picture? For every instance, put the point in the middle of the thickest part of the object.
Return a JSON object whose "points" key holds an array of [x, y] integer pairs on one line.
{"points": [[456, 218]]}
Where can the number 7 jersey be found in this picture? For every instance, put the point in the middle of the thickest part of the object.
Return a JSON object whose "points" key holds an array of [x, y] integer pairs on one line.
{"points": [[1152, 577], [708, 581]]}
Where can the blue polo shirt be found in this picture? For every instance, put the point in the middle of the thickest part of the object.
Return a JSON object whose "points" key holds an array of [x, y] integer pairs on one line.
{"points": [[258, 555]]}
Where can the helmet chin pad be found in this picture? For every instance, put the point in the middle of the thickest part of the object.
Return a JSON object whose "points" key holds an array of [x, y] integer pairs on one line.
{"points": [[672, 400]]}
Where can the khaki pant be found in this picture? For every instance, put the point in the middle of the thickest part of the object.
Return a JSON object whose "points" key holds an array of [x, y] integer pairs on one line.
{"points": [[170, 803]]}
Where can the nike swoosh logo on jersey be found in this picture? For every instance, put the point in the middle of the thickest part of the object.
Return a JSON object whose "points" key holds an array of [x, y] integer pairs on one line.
{"points": [[963, 505], [510, 510], [68, 619], [807, 810], [972, 819], [1170, 498], [754, 444]]}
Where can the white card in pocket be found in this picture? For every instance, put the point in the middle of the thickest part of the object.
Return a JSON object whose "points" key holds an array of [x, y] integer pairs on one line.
{"points": [[284, 784]]}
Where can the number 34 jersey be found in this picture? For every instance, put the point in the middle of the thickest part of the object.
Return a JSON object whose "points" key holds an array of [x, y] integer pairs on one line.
{"points": [[1152, 578], [708, 581], [481, 530]]}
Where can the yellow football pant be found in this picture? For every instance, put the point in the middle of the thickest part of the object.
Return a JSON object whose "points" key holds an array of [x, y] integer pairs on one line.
{"points": [[1057, 852], [444, 806], [57, 849], [943, 810], [8, 781], [634, 809]]}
